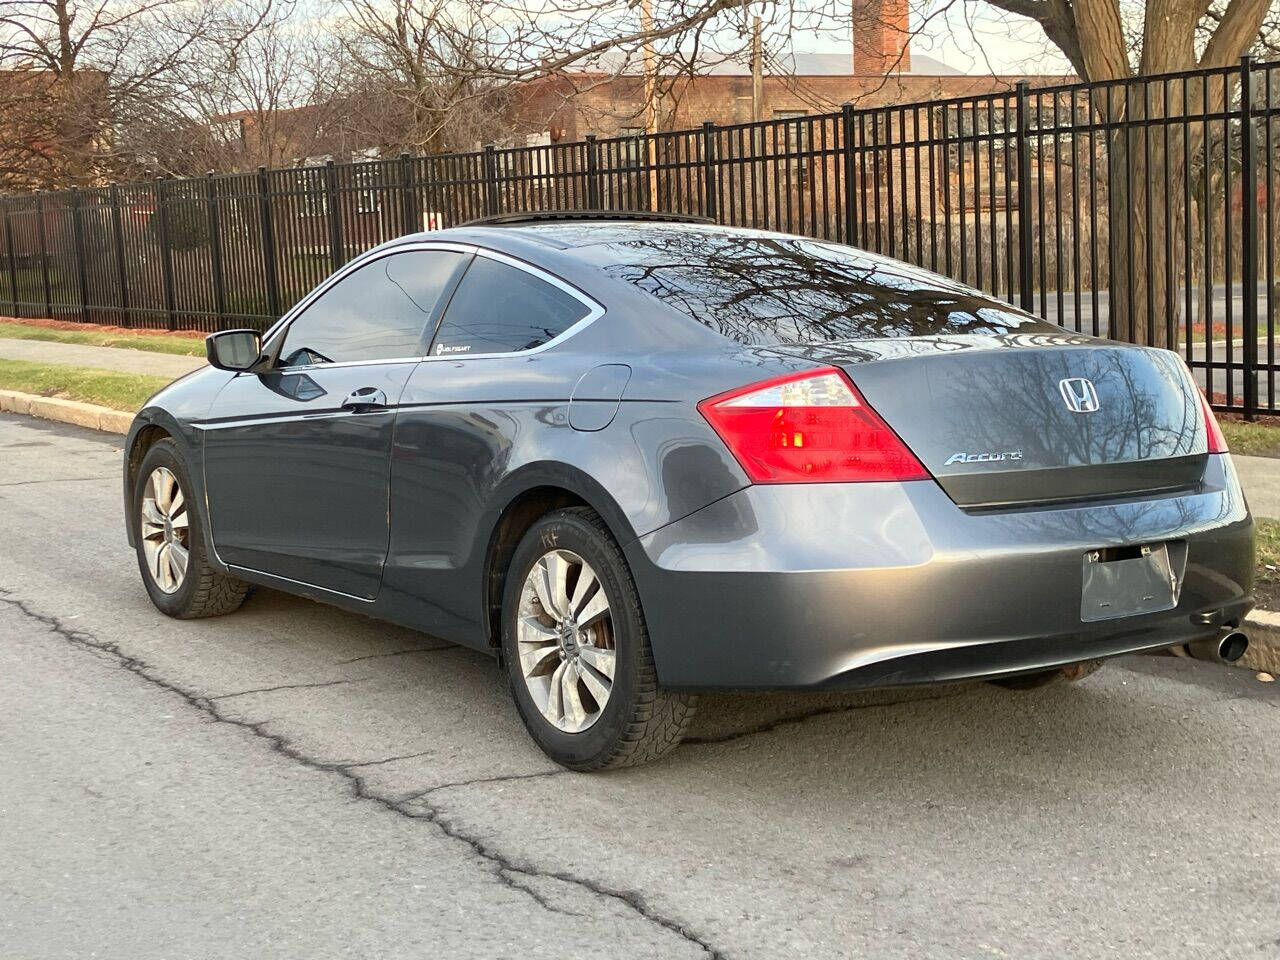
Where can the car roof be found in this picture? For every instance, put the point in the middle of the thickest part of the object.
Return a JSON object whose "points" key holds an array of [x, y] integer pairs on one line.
{"points": [[583, 233], [526, 237]]}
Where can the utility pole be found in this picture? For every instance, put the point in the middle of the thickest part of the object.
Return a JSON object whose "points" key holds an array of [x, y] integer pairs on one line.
{"points": [[650, 99], [757, 72]]}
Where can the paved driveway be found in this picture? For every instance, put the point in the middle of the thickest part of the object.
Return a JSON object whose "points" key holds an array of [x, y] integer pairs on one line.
{"points": [[294, 781]]}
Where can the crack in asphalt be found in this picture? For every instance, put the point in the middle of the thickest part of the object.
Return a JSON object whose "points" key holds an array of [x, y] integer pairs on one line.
{"points": [[29, 483], [503, 778], [507, 870], [349, 764], [289, 686], [399, 653]]}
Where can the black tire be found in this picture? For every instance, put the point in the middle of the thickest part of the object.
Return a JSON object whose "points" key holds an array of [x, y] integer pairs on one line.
{"points": [[1071, 673], [640, 721], [203, 591]]}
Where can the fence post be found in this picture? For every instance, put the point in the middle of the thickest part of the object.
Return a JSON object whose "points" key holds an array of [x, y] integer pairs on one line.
{"points": [[1026, 240], [13, 259], [82, 266], [215, 250], [1248, 240], [46, 289], [336, 254], [122, 271], [407, 206], [268, 244], [710, 178], [593, 173], [850, 171], [492, 199], [166, 252]]}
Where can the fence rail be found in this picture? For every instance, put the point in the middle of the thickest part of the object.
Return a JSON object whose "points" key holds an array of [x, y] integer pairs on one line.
{"points": [[1143, 209]]}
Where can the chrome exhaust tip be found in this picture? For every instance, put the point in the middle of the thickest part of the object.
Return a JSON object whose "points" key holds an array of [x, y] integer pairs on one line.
{"points": [[1228, 648]]}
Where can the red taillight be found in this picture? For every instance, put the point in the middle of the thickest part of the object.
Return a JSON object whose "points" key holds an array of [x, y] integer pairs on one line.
{"points": [[810, 427], [1217, 442]]}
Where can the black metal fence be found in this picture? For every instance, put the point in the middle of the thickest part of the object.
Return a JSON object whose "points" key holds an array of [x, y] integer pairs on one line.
{"points": [[1144, 209]]}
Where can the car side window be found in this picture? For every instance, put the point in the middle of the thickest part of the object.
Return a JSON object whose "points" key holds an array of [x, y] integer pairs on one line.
{"points": [[499, 308], [378, 312]]}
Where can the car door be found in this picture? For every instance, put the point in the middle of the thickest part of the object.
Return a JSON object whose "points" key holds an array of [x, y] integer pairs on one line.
{"points": [[297, 457], [489, 382]]}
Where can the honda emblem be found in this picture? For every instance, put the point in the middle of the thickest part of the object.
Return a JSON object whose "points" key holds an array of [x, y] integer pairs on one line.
{"points": [[1078, 394]]}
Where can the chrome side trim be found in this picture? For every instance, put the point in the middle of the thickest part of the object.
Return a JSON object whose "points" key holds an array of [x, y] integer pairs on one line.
{"points": [[309, 416], [286, 371], [262, 575]]}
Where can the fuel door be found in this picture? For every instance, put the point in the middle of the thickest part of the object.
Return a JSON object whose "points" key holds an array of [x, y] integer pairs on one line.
{"points": [[595, 398]]}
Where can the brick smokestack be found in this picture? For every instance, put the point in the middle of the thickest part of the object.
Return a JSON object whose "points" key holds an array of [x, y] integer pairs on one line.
{"points": [[881, 35]]}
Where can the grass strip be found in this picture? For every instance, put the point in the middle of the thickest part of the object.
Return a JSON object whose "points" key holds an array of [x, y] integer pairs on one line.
{"points": [[1268, 533], [1251, 439], [155, 343], [120, 391]]}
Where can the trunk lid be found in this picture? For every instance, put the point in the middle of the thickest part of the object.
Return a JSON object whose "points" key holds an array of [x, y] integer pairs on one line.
{"points": [[1033, 418]]}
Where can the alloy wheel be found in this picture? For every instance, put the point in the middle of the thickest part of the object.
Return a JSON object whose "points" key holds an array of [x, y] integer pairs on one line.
{"points": [[165, 532], [564, 633]]}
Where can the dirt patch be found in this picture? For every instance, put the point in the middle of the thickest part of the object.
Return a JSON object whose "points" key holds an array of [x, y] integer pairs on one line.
{"points": [[1268, 595], [102, 327], [1272, 422], [1266, 585]]}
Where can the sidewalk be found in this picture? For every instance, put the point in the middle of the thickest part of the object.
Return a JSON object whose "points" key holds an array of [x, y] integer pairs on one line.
{"points": [[1260, 477], [118, 359]]}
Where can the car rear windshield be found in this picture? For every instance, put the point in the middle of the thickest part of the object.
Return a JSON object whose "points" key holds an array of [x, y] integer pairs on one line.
{"points": [[767, 290]]}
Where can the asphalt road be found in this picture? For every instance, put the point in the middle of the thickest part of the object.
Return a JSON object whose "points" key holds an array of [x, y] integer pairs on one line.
{"points": [[294, 781]]}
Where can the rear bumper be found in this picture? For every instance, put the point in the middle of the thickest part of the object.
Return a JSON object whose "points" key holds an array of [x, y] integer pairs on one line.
{"points": [[853, 585]]}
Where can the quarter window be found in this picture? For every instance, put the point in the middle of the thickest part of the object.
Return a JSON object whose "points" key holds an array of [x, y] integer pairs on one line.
{"points": [[499, 308], [378, 312]]}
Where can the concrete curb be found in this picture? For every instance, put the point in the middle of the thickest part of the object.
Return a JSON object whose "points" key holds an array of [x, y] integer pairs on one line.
{"points": [[66, 411], [1263, 628]]}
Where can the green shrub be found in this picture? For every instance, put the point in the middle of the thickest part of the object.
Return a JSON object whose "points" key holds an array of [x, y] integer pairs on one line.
{"points": [[187, 225]]}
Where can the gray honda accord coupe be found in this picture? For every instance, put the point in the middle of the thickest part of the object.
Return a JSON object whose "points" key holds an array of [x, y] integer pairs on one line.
{"points": [[637, 458]]}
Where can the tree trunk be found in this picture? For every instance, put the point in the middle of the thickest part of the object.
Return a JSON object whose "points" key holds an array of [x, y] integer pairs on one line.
{"points": [[1147, 208], [1148, 236]]}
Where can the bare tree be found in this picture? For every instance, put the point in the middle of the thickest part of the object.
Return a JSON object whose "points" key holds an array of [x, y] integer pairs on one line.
{"points": [[1116, 40], [71, 71], [258, 89], [414, 74], [449, 69]]}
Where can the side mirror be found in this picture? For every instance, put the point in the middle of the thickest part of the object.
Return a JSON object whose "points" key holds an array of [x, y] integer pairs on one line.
{"points": [[235, 350]]}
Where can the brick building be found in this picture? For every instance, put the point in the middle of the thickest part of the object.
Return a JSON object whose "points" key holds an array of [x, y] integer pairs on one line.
{"points": [[880, 69]]}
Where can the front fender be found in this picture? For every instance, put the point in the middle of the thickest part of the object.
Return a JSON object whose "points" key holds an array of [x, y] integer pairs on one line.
{"points": [[177, 411], [135, 447]]}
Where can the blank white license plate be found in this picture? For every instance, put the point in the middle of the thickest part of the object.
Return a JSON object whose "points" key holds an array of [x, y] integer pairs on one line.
{"points": [[1129, 581]]}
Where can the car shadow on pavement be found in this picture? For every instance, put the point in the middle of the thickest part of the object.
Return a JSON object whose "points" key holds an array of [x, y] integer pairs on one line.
{"points": [[425, 712]]}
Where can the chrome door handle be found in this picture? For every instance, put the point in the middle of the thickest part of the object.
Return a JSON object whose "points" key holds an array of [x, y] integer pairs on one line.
{"points": [[366, 398]]}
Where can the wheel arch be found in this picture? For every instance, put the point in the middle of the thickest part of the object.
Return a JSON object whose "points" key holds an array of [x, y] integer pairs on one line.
{"points": [[529, 495], [149, 428], [142, 438]]}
